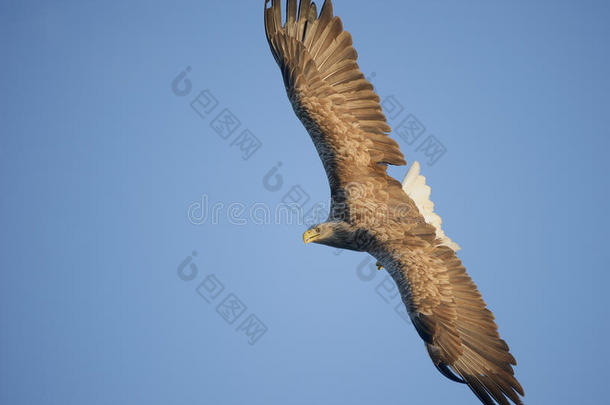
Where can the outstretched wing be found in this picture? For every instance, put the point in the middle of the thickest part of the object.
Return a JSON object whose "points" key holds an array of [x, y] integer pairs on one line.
{"points": [[451, 317], [328, 92]]}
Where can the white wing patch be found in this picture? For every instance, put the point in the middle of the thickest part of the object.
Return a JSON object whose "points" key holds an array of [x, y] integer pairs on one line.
{"points": [[415, 186]]}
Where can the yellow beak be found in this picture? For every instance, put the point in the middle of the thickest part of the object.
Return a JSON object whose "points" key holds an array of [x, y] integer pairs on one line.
{"points": [[309, 236]]}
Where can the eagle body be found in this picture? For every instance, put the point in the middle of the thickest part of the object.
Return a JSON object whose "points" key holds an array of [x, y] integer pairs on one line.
{"points": [[373, 212]]}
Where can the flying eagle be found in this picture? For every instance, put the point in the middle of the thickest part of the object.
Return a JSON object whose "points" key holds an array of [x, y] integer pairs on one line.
{"points": [[372, 212]]}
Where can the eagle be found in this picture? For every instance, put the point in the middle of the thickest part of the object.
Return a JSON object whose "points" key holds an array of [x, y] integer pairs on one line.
{"points": [[372, 212]]}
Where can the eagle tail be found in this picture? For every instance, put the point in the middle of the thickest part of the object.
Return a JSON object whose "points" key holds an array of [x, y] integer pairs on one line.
{"points": [[416, 188]]}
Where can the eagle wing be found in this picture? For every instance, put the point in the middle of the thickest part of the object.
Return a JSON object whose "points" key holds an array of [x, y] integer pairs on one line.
{"points": [[445, 306], [451, 317], [329, 94]]}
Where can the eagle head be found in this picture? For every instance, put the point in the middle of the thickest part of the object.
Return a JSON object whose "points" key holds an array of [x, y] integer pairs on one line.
{"points": [[338, 234]]}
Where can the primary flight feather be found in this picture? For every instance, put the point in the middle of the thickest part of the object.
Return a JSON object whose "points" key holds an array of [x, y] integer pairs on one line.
{"points": [[372, 212]]}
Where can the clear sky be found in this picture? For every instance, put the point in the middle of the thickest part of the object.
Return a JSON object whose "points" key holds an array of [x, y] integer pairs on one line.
{"points": [[109, 163]]}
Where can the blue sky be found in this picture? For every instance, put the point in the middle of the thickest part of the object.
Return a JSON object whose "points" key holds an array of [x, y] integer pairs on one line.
{"points": [[102, 159]]}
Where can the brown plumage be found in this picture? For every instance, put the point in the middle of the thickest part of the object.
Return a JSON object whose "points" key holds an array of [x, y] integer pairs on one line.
{"points": [[371, 212]]}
